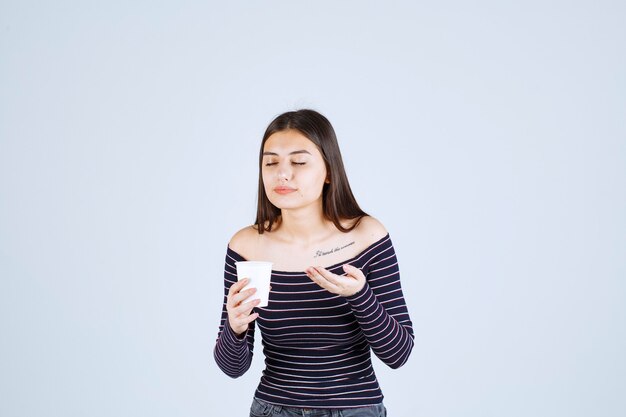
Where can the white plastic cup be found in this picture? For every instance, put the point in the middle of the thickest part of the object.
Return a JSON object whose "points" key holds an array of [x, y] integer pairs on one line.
{"points": [[260, 274]]}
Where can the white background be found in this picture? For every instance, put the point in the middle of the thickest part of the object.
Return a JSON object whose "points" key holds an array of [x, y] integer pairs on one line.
{"points": [[488, 136]]}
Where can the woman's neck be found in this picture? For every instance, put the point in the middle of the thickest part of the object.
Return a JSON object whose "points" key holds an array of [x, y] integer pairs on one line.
{"points": [[304, 226]]}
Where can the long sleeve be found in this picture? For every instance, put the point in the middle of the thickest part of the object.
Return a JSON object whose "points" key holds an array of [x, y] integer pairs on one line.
{"points": [[232, 354], [380, 308]]}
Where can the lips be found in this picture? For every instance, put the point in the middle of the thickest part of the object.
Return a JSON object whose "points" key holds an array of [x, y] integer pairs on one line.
{"points": [[284, 190]]}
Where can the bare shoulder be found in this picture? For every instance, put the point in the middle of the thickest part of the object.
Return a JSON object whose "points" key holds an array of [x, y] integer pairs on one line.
{"points": [[244, 241], [370, 230]]}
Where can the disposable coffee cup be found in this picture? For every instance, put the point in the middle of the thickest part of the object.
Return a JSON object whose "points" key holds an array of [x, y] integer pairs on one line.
{"points": [[259, 273]]}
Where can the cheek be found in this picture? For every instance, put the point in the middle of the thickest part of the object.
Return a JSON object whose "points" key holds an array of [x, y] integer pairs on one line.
{"points": [[266, 184], [317, 183], [322, 177]]}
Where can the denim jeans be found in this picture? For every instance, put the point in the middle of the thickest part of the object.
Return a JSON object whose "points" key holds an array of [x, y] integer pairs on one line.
{"points": [[261, 408]]}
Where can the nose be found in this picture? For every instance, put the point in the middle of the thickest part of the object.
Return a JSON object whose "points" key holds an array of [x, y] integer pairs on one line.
{"points": [[284, 173]]}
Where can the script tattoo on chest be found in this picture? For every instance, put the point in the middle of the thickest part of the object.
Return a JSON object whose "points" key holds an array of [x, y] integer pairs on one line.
{"points": [[333, 250]]}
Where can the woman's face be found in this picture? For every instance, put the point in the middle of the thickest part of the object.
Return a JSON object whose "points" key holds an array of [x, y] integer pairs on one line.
{"points": [[293, 170]]}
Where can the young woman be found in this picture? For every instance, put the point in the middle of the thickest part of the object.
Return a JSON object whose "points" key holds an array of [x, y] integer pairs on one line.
{"points": [[335, 293]]}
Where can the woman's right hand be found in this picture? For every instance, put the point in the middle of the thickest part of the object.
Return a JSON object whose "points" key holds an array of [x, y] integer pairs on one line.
{"points": [[238, 312]]}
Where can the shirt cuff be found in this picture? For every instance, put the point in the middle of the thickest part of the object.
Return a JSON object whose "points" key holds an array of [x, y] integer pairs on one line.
{"points": [[231, 337], [363, 301]]}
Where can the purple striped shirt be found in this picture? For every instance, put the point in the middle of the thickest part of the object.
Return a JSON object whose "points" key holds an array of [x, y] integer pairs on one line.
{"points": [[317, 344]]}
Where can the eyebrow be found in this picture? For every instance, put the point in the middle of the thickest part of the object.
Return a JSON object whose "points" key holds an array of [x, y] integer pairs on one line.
{"points": [[291, 153]]}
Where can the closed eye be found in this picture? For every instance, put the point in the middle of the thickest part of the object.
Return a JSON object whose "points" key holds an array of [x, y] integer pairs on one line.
{"points": [[299, 163], [269, 164]]}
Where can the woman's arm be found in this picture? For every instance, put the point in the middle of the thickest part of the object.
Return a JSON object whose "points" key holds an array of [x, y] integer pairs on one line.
{"points": [[381, 311], [374, 293], [232, 352]]}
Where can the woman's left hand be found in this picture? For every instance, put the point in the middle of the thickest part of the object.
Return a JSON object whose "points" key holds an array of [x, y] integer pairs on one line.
{"points": [[344, 285]]}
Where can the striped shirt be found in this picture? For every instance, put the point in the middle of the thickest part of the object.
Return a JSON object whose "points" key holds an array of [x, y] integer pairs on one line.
{"points": [[317, 344]]}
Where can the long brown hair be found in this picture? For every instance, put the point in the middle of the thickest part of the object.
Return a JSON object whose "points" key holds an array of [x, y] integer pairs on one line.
{"points": [[338, 202]]}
